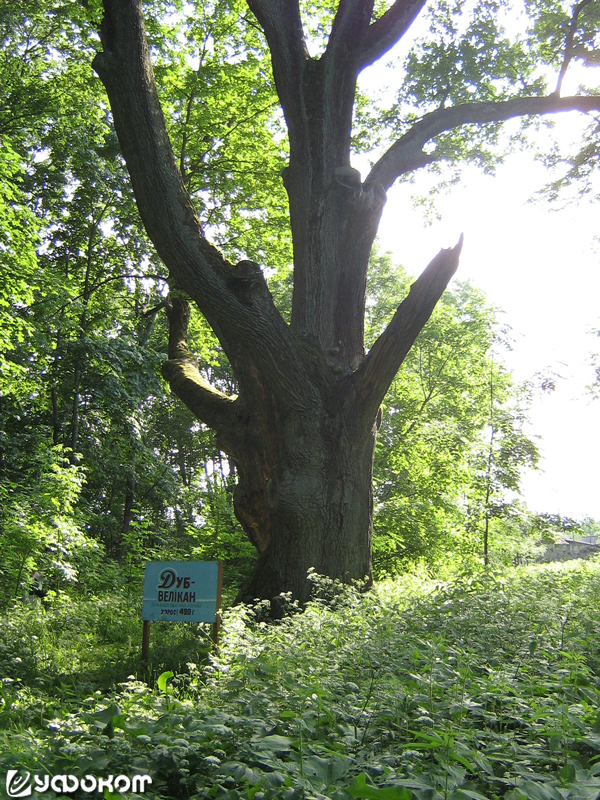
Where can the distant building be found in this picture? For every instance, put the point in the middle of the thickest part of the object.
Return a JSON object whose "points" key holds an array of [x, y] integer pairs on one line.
{"points": [[566, 549]]}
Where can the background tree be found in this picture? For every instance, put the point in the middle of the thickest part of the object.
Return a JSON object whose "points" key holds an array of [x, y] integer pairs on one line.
{"points": [[505, 450], [451, 448], [302, 426]]}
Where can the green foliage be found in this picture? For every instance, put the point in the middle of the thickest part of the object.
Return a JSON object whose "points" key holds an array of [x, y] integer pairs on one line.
{"points": [[17, 265], [455, 64], [484, 687], [552, 527], [217, 90], [437, 476], [470, 52], [39, 530], [69, 645], [575, 164], [550, 21], [81, 334]]}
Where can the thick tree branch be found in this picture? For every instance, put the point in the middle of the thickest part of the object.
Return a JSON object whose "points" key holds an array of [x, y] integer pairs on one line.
{"points": [[234, 299], [376, 373], [181, 371], [569, 44], [126, 71], [386, 31], [348, 30], [282, 25], [337, 76], [406, 154]]}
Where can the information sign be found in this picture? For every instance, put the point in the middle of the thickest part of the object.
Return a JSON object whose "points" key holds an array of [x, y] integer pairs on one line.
{"points": [[182, 591]]}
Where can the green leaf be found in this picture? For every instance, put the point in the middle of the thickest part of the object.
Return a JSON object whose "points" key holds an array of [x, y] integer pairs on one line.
{"points": [[533, 645], [554, 744], [163, 678], [360, 789], [328, 770], [538, 791], [568, 773], [275, 742], [133, 727], [107, 714], [592, 740]]}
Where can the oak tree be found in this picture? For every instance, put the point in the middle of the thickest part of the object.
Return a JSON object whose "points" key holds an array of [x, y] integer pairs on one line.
{"points": [[302, 428]]}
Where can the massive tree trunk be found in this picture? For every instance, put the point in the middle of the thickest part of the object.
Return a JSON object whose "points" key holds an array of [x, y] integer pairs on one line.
{"points": [[304, 458], [311, 507], [302, 429]]}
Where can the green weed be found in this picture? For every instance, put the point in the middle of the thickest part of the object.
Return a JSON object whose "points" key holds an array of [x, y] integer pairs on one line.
{"points": [[485, 687]]}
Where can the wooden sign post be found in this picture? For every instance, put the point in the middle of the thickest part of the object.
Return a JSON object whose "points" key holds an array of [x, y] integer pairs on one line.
{"points": [[181, 591]]}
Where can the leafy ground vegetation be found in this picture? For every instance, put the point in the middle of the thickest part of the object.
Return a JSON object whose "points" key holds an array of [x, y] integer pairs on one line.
{"points": [[485, 686]]}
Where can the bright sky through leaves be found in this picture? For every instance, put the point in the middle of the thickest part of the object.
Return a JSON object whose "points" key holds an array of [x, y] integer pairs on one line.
{"points": [[540, 265], [537, 262]]}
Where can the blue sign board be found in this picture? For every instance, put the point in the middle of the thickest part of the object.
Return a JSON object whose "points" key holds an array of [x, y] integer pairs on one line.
{"points": [[182, 591]]}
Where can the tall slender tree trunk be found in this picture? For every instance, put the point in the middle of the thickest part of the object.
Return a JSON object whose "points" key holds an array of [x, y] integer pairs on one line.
{"points": [[83, 324], [53, 391], [128, 509], [489, 469]]}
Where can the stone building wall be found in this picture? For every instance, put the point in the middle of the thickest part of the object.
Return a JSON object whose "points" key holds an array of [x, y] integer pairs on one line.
{"points": [[565, 551]]}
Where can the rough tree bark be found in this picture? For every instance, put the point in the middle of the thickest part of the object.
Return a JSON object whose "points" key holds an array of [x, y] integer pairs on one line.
{"points": [[303, 426]]}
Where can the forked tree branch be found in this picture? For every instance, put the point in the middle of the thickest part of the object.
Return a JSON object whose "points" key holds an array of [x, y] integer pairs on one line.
{"points": [[406, 154], [569, 44], [336, 75], [350, 25], [376, 373]]}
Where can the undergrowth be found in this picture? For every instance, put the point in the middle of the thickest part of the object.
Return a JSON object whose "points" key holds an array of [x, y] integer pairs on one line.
{"points": [[484, 687]]}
